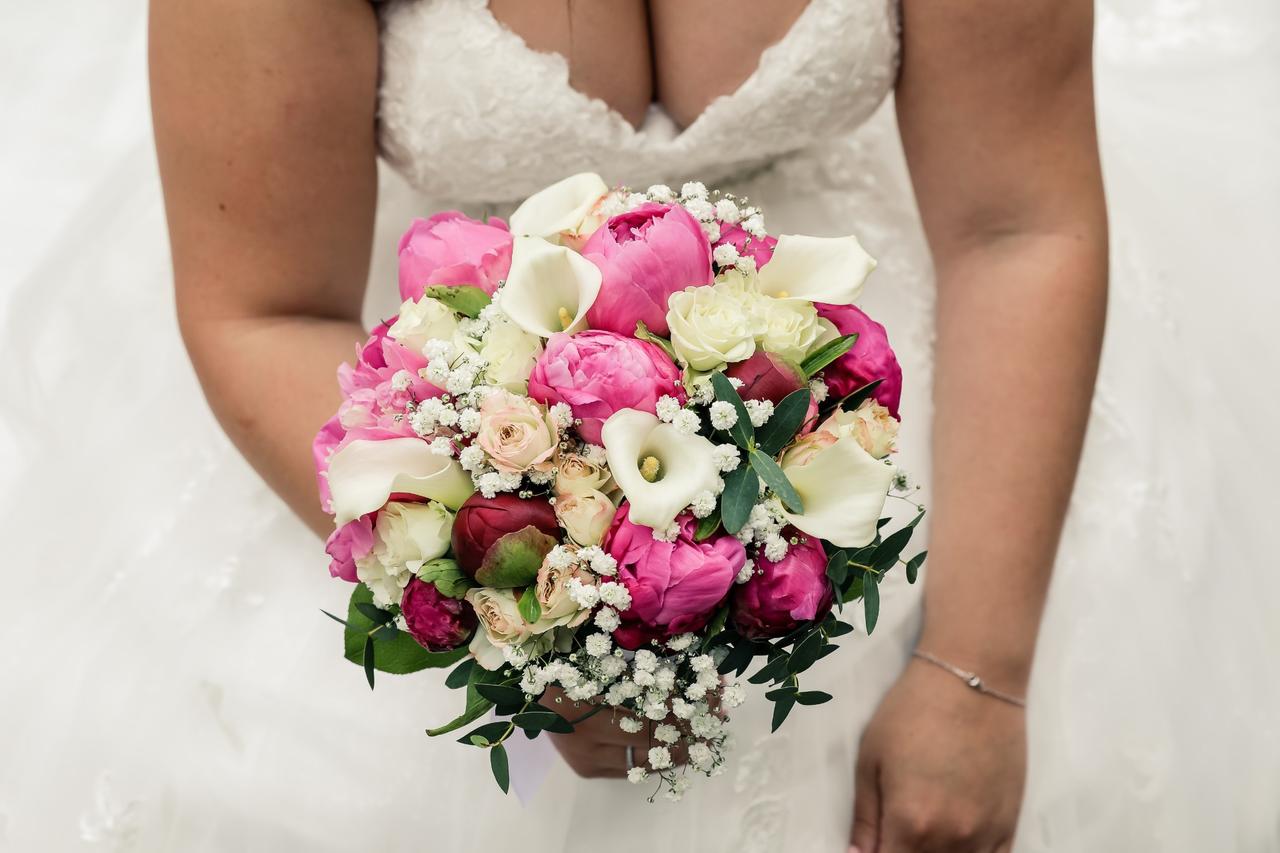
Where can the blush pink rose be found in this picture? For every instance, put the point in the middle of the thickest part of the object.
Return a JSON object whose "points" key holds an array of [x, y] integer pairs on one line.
{"points": [[349, 543], [675, 586], [760, 249], [782, 595], [598, 373], [451, 248], [870, 359], [644, 256], [437, 622]]}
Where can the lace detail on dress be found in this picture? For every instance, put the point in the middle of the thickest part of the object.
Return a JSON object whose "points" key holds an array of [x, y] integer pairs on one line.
{"points": [[499, 128]]}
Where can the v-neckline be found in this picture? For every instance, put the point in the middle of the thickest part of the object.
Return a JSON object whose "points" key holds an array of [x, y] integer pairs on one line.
{"points": [[617, 117]]}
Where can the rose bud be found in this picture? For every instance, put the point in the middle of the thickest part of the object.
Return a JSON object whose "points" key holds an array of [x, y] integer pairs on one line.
{"points": [[767, 376], [501, 541], [782, 595], [437, 622], [871, 358]]}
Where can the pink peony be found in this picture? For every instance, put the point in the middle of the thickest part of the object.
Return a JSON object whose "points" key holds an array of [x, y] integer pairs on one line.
{"points": [[759, 249], [437, 622], [349, 543], [599, 373], [451, 248], [644, 256], [870, 359], [782, 595], [675, 586]]}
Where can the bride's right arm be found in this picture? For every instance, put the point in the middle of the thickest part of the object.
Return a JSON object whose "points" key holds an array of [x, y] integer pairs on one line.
{"points": [[264, 127]]}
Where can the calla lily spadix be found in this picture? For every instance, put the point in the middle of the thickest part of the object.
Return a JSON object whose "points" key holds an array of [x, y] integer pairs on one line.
{"points": [[816, 269], [364, 474], [659, 469], [843, 489], [563, 212], [549, 288]]}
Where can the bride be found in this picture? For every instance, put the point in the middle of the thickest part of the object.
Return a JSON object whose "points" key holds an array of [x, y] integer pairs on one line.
{"points": [[269, 119]]}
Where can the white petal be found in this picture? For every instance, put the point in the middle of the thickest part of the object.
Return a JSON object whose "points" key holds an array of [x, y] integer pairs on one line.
{"points": [[364, 474], [545, 278], [687, 464], [816, 269], [843, 489], [561, 207]]}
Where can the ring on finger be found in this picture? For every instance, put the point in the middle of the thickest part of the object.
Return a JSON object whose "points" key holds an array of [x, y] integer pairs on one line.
{"points": [[631, 756]]}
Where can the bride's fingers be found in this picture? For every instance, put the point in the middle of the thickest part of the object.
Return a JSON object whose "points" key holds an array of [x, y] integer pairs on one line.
{"points": [[866, 807]]}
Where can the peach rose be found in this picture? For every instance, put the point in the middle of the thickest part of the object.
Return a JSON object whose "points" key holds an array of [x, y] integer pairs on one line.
{"points": [[575, 475], [517, 433], [870, 425], [585, 516]]}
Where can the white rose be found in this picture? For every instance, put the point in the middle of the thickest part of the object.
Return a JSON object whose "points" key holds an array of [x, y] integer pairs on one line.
{"points": [[709, 328], [585, 516], [503, 626], [407, 532], [789, 327], [421, 321], [870, 425], [510, 353], [576, 475], [552, 591]]}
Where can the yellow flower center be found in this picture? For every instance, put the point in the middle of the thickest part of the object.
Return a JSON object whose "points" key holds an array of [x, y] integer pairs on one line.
{"points": [[650, 468], [566, 319]]}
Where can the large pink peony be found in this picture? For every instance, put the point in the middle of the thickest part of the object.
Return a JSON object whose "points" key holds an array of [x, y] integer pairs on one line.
{"points": [[451, 248], [675, 586], [599, 373], [784, 594], [870, 359], [644, 256], [349, 543], [437, 622]]}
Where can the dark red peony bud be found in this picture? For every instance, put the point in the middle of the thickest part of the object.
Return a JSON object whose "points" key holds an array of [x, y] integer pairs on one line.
{"points": [[437, 622], [501, 541], [766, 376], [782, 595]]}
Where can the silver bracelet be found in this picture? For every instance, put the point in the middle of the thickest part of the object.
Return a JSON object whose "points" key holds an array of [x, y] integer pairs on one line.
{"points": [[971, 679]]}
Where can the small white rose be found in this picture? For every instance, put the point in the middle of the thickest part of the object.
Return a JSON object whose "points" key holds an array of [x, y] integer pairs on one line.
{"points": [[421, 321], [576, 474], [709, 328], [585, 516], [790, 328], [509, 353]]}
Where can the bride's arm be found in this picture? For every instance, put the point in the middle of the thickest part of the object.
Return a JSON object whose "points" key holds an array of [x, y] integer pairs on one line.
{"points": [[264, 125], [995, 105]]}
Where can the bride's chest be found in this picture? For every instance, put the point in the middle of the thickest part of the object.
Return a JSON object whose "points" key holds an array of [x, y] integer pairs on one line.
{"points": [[468, 112]]}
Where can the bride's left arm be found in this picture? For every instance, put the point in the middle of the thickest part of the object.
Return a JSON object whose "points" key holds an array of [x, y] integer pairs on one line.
{"points": [[995, 105]]}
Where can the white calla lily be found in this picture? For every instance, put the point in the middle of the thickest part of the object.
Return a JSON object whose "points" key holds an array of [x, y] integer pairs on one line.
{"points": [[816, 269], [549, 288], [564, 210], [364, 474], [843, 489], [659, 469]]}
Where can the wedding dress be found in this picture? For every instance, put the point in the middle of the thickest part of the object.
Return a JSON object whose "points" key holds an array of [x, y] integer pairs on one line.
{"points": [[169, 682]]}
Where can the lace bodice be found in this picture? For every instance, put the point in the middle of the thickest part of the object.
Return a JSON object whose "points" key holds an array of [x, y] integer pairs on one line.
{"points": [[470, 113]]}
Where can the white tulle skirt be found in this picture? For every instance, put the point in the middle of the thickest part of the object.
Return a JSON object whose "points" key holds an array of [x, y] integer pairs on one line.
{"points": [[169, 683]]}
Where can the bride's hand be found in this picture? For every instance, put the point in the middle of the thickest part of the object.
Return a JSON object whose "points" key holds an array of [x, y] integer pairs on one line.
{"points": [[940, 768], [597, 748]]}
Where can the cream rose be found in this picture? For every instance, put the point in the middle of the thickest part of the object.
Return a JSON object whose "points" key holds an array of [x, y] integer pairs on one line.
{"points": [[405, 536], [516, 433], [788, 327], [576, 475], [421, 321], [585, 516], [709, 328], [509, 353], [552, 591], [503, 626], [807, 446], [870, 425]]}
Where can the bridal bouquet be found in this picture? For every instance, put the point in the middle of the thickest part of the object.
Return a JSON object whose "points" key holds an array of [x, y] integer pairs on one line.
{"points": [[621, 446]]}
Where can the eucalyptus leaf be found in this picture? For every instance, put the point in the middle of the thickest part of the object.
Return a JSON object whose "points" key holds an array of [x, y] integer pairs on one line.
{"points": [[528, 605], [838, 567], [839, 629], [853, 591], [827, 353], [368, 660], [498, 763], [474, 711], [542, 719], [741, 491], [781, 708], [489, 733], [715, 626], [806, 653], [786, 420], [742, 432], [774, 670], [856, 398], [813, 697], [465, 299], [460, 674], [502, 695], [777, 481], [373, 613], [386, 633], [707, 526], [871, 601], [914, 564]]}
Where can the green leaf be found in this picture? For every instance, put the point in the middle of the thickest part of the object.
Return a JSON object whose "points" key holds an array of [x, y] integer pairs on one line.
{"points": [[514, 559], [386, 633], [528, 604], [715, 627], [871, 601], [334, 618], [373, 613], [854, 590], [475, 710], [806, 653], [460, 674], [813, 697], [781, 708], [827, 353], [776, 481], [643, 333], [502, 695], [914, 564], [368, 660], [464, 299], [854, 399], [787, 419], [739, 658], [542, 719], [742, 432], [398, 656], [774, 670], [741, 491], [498, 763], [707, 526], [838, 567], [488, 733], [780, 693], [448, 577], [839, 629]]}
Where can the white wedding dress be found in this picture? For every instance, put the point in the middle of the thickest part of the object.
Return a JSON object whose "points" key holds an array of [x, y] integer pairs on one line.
{"points": [[170, 685]]}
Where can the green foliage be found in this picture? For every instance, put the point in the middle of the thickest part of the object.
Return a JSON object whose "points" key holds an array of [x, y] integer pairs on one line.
{"points": [[856, 398], [394, 652], [528, 605], [777, 481], [914, 564], [742, 432], [827, 353], [741, 489], [787, 419], [707, 526], [643, 333], [871, 601], [498, 764], [464, 299], [448, 577]]}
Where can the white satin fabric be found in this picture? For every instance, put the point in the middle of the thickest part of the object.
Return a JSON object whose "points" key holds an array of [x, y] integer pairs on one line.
{"points": [[170, 685]]}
